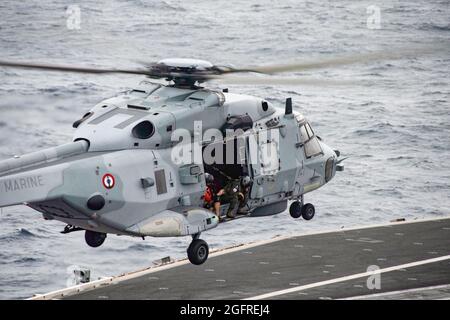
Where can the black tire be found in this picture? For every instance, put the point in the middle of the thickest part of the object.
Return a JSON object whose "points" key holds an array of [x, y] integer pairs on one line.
{"points": [[94, 239], [308, 211], [198, 252], [295, 210]]}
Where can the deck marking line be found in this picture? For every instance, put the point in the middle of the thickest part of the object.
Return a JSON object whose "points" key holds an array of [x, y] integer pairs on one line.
{"points": [[346, 278], [389, 293]]}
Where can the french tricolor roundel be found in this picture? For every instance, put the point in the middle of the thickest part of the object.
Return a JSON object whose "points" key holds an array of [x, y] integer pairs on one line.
{"points": [[108, 181]]}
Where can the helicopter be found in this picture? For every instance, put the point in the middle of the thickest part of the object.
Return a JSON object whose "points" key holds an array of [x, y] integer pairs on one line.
{"points": [[122, 174]]}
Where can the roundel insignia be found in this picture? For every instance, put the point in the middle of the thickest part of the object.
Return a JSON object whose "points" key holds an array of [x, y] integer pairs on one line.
{"points": [[108, 181]]}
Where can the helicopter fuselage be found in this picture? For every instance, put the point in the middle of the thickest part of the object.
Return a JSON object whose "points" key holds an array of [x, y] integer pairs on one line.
{"points": [[121, 173]]}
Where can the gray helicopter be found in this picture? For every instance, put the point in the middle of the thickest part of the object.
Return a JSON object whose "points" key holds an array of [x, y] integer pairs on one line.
{"points": [[123, 173]]}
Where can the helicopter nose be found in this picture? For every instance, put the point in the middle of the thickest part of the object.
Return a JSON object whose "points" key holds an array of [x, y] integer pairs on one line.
{"points": [[330, 162]]}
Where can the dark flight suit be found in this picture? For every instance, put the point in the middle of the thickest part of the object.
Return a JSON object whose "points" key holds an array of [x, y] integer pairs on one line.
{"points": [[231, 195]]}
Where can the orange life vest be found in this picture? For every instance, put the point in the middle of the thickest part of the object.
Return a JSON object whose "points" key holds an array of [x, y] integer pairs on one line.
{"points": [[208, 195]]}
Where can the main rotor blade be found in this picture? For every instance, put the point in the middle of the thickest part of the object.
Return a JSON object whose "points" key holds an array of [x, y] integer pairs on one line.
{"points": [[65, 68], [336, 62], [255, 80]]}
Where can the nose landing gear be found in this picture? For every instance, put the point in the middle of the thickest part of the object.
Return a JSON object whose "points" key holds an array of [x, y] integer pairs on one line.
{"points": [[298, 209], [198, 250]]}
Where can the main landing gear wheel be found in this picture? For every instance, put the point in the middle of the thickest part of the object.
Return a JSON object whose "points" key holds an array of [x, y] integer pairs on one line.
{"points": [[94, 239], [308, 211], [198, 251], [295, 209]]}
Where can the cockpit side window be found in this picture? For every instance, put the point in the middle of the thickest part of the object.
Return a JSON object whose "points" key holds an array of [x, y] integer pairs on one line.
{"points": [[312, 148], [303, 134], [310, 141], [310, 132]]}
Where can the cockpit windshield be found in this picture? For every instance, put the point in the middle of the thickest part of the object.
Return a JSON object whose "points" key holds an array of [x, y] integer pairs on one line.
{"points": [[309, 141]]}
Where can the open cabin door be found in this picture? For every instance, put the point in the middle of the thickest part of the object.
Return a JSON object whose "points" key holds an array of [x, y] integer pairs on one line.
{"points": [[264, 163], [225, 160]]}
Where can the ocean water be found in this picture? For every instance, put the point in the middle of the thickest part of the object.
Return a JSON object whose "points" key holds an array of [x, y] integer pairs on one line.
{"points": [[393, 123]]}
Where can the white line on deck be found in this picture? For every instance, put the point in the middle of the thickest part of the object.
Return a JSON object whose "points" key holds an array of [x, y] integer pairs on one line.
{"points": [[346, 278], [393, 293]]}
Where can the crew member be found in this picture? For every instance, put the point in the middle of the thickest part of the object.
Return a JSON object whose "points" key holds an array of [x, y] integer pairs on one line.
{"points": [[210, 197], [234, 192], [245, 191]]}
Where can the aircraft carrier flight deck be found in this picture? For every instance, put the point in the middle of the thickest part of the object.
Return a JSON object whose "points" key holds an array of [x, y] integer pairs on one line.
{"points": [[399, 260]]}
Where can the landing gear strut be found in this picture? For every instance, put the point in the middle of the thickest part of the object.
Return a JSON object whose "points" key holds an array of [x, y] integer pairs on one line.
{"points": [[94, 239], [298, 209], [198, 250]]}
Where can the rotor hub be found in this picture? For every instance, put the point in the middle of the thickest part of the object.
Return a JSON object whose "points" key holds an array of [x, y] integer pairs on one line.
{"points": [[191, 64], [183, 72]]}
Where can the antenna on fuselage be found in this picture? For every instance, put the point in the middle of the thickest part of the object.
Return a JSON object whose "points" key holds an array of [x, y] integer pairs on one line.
{"points": [[288, 109]]}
